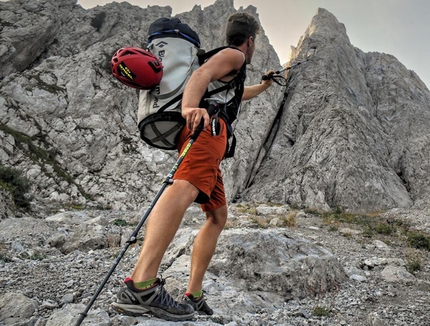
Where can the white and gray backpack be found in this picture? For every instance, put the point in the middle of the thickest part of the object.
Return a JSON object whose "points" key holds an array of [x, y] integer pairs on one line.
{"points": [[178, 48]]}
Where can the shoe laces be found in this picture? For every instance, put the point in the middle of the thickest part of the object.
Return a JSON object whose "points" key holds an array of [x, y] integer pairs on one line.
{"points": [[164, 297]]}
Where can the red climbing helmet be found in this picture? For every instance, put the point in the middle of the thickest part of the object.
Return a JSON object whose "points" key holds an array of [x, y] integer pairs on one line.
{"points": [[136, 68]]}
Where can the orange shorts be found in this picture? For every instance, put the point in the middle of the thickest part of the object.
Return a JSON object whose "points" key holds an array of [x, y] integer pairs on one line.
{"points": [[201, 166]]}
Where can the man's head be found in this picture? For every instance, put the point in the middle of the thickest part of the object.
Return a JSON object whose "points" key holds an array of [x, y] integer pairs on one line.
{"points": [[241, 30]]}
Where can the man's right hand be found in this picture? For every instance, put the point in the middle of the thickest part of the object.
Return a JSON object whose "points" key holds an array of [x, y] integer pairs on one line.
{"points": [[194, 116]]}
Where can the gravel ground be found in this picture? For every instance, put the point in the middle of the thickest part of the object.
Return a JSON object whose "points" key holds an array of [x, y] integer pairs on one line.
{"points": [[380, 290]]}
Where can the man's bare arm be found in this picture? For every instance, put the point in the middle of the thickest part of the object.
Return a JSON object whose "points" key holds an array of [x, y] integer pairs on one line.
{"points": [[217, 67]]}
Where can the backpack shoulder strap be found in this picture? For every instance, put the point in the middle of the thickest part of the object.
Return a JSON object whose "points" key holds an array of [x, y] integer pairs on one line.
{"points": [[203, 57], [206, 55]]}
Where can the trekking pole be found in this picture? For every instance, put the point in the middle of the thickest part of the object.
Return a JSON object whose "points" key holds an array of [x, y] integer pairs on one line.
{"points": [[213, 106]]}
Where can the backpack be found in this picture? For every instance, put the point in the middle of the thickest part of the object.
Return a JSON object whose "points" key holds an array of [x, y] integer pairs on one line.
{"points": [[177, 47]]}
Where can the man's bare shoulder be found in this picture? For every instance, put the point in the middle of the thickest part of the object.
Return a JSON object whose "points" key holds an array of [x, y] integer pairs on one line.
{"points": [[234, 57], [232, 51]]}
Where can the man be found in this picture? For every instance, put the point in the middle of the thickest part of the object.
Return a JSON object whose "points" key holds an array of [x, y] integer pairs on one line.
{"points": [[198, 179]]}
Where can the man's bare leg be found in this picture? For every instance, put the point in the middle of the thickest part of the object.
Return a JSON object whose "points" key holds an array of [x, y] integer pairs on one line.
{"points": [[162, 225], [204, 246]]}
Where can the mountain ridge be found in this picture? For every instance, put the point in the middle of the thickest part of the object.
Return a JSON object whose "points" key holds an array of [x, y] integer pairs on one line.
{"points": [[71, 128]]}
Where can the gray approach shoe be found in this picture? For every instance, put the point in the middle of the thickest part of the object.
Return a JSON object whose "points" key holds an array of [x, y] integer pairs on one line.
{"points": [[199, 304], [154, 300]]}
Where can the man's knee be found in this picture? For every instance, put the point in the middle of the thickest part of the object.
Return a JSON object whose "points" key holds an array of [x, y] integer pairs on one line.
{"points": [[218, 216]]}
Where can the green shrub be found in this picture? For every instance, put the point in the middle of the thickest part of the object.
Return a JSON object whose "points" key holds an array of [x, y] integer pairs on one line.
{"points": [[321, 311], [384, 228], [4, 256], [120, 222], [419, 240], [413, 266], [12, 180]]}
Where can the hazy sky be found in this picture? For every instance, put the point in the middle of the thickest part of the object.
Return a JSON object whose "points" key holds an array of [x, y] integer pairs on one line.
{"points": [[397, 27]]}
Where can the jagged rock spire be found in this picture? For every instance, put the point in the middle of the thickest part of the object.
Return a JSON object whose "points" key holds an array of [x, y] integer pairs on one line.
{"points": [[346, 137]]}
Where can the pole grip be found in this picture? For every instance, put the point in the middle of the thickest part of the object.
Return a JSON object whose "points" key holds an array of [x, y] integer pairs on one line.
{"points": [[213, 106], [266, 77]]}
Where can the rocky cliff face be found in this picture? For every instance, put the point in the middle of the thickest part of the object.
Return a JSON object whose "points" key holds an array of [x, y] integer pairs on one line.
{"points": [[353, 133]]}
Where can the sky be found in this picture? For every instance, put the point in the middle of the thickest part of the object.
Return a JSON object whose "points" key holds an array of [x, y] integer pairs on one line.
{"points": [[397, 27]]}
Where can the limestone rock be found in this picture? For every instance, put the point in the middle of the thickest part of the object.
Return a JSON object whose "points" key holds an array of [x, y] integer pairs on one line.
{"points": [[397, 274], [353, 133], [16, 307], [68, 124], [277, 262]]}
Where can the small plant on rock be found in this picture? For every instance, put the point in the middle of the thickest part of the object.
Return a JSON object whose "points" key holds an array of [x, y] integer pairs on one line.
{"points": [[414, 260], [323, 309], [260, 221], [320, 311], [17, 185], [4, 256], [384, 228], [419, 240], [120, 222], [289, 220]]}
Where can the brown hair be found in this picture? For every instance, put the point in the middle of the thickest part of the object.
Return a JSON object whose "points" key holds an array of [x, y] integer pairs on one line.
{"points": [[240, 26]]}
